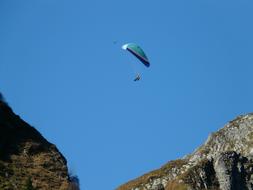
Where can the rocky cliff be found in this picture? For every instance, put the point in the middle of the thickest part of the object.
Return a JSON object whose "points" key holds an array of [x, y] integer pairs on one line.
{"points": [[223, 162], [25, 155]]}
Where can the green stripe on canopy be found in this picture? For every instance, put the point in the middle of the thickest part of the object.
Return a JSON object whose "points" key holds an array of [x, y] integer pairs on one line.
{"points": [[138, 52]]}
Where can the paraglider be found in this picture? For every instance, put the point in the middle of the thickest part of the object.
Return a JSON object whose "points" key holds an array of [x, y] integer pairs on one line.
{"points": [[138, 77], [138, 52]]}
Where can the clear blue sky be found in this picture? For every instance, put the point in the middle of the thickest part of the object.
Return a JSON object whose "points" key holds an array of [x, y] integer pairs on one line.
{"points": [[62, 70]]}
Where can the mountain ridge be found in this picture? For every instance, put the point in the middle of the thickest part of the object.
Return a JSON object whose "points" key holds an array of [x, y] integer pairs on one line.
{"points": [[26, 155], [223, 162]]}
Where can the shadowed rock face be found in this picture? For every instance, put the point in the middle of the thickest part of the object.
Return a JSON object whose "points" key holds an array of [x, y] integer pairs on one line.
{"points": [[224, 162], [25, 153]]}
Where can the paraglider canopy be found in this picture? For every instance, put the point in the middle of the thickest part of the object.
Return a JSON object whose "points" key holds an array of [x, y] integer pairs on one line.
{"points": [[137, 52]]}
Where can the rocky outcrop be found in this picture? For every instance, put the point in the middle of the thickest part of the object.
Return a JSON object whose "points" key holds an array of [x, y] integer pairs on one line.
{"points": [[26, 154], [224, 162]]}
